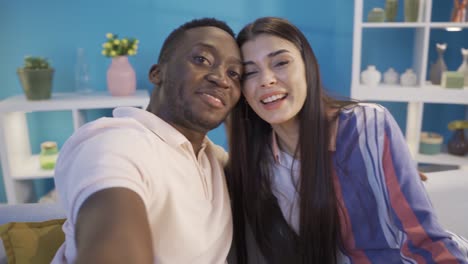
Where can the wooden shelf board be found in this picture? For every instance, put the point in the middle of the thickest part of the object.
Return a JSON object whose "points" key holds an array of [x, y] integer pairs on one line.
{"points": [[397, 93], [393, 25], [443, 159], [30, 169], [68, 101]]}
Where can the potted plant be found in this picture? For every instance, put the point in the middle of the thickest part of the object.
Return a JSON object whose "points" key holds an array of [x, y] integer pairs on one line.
{"points": [[121, 78], [36, 78]]}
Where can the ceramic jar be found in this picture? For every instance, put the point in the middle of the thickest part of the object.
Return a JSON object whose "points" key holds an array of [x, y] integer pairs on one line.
{"points": [[457, 144], [408, 78], [431, 143], [377, 14], [48, 155], [463, 69], [371, 76], [391, 76]]}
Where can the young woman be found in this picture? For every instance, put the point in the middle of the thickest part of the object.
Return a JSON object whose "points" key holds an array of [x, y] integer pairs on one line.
{"points": [[316, 180]]}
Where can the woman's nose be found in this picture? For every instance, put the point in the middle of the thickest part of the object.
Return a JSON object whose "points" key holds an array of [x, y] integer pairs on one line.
{"points": [[268, 79]]}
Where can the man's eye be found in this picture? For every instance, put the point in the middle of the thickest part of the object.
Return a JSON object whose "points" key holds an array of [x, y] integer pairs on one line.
{"points": [[201, 60], [234, 74]]}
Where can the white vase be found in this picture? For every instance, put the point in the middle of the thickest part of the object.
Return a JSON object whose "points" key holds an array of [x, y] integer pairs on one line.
{"points": [[391, 76], [408, 78], [464, 66], [371, 76]]}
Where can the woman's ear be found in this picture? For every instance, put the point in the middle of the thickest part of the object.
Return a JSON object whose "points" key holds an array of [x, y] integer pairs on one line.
{"points": [[155, 75]]}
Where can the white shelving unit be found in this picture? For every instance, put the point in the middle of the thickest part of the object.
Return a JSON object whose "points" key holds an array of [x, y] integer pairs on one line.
{"points": [[417, 96], [18, 164]]}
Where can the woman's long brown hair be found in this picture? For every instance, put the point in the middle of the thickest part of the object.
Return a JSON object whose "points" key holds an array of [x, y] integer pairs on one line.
{"points": [[249, 170]]}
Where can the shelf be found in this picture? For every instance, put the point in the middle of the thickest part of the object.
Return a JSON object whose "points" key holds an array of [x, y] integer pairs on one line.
{"points": [[62, 101], [393, 25], [397, 93], [19, 166], [30, 169], [442, 159], [443, 25]]}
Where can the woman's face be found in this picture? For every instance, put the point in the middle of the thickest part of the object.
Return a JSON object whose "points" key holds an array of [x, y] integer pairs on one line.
{"points": [[274, 78]]}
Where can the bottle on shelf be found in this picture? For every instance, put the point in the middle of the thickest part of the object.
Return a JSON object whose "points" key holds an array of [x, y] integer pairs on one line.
{"points": [[411, 10], [439, 67], [463, 69], [82, 76], [459, 11], [391, 10]]}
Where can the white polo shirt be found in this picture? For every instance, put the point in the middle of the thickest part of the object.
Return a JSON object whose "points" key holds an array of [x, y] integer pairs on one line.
{"points": [[186, 197]]}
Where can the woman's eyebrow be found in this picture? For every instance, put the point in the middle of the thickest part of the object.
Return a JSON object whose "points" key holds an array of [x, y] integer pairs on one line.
{"points": [[271, 54], [274, 53]]}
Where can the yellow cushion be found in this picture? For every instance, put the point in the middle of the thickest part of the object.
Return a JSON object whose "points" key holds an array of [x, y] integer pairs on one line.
{"points": [[32, 242]]}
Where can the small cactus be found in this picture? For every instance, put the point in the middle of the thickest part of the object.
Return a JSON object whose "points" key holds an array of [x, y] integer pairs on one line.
{"points": [[34, 63]]}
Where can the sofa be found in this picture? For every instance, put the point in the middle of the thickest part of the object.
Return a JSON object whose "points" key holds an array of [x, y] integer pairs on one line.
{"points": [[448, 191]]}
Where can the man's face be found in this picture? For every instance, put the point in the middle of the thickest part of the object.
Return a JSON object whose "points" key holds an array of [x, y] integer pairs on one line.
{"points": [[201, 81]]}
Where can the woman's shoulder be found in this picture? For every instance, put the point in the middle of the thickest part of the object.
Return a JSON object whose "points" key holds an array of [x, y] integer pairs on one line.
{"points": [[356, 108], [361, 112], [358, 116]]}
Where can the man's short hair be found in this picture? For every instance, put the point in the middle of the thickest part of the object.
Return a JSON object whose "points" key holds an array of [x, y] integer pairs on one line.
{"points": [[173, 39]]}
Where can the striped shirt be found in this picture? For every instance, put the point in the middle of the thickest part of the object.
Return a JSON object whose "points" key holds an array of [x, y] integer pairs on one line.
{"points": [[387, 216]]}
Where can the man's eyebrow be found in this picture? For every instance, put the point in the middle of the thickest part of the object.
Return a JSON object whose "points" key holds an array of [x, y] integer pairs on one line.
{"points": [[270, 55]]}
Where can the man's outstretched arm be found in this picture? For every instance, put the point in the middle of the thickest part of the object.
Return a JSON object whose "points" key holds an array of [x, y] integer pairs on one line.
{"points": [[112, 227]]}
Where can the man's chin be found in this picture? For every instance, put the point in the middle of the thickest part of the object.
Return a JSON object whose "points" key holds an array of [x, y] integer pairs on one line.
{"points": [[209, 124]]}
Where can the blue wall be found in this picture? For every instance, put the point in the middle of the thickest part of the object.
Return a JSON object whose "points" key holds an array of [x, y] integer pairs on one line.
{"points": [[55, 29]]}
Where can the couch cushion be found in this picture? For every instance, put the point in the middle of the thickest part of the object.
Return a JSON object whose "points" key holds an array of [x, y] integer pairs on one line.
{"points": [[32, 242]]}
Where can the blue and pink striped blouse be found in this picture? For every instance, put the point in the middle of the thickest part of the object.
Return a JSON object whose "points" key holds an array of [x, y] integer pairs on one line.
{"points": [[387, 216]]}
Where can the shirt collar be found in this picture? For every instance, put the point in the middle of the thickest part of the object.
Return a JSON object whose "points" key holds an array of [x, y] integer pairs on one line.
{"points": [[157, 125], [331, 146]]}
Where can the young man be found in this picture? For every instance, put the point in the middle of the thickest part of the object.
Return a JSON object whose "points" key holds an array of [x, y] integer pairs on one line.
{"points": [[148, 186]]}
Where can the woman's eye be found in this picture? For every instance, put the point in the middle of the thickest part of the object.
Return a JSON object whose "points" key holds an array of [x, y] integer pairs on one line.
{"points": [[201, 60], [281, 63], [248, 74]]}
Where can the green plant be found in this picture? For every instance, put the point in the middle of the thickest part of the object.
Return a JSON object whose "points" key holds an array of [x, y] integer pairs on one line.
{"points": [[35, 63], [114, 46]]}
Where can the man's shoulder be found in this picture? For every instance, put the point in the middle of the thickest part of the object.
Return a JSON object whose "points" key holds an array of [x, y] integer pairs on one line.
{"points": [[112, 125], [112, 130]]}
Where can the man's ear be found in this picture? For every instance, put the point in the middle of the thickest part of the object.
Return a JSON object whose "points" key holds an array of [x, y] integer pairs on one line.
{"points": [[155, 75]]}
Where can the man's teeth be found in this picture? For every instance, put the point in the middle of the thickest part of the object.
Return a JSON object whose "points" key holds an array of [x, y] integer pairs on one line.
{"points": [[214, 97], [273, 98]]}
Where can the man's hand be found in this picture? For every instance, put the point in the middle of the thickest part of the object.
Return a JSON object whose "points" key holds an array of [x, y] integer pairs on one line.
{"points": [[112, 227]]}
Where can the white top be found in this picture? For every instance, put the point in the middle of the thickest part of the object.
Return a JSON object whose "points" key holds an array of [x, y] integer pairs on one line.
{"points": [[185, 196]]}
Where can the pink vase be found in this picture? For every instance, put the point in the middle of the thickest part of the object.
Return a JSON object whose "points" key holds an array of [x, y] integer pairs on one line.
{"points": [[121, 79]]}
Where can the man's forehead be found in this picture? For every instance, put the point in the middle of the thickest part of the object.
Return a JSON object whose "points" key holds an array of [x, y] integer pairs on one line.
{"points": [[206, 33]]}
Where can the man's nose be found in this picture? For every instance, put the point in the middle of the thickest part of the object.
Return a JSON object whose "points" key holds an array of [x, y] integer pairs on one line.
{"points": [[218, 77]]}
